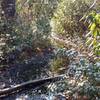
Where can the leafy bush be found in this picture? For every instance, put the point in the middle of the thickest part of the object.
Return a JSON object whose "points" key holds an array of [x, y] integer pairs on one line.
{"points": [[59, 64], [93, 36], [66, 17], [29, 27], [81, 81]]}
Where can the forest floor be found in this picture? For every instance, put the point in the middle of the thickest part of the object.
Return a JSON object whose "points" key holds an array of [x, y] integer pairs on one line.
{"points": [[37, 68]]}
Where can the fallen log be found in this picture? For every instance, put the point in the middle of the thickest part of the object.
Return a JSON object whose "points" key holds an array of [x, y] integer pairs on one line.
{"points": [[28, 85]]}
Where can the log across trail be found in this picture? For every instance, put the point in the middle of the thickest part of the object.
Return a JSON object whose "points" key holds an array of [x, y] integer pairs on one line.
{"points": [[28, 85]]}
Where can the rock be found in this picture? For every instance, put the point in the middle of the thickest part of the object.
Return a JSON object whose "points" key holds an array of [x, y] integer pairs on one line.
{"points": [[2, 85], [59, 97], [41, 97]]}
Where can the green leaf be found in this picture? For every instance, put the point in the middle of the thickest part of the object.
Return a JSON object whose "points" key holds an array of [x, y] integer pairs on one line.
{"points": [[93, 26], [95, 32], [97, 17]]}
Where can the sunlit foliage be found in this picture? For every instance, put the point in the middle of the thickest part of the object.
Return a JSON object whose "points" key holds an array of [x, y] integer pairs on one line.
{"points": [[66, 17], [93, 37]]}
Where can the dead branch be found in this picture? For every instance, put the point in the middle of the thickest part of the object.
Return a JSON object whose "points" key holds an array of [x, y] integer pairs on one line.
{"points": [[28, 85]]}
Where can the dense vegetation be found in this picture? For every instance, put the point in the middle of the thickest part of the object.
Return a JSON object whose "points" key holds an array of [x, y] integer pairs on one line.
{"points": [[47, 38]]}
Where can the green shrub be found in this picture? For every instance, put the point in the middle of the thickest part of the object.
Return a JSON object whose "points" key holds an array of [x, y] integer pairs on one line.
{"points": [[66, 17], [93, 36], [29, 27]]}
